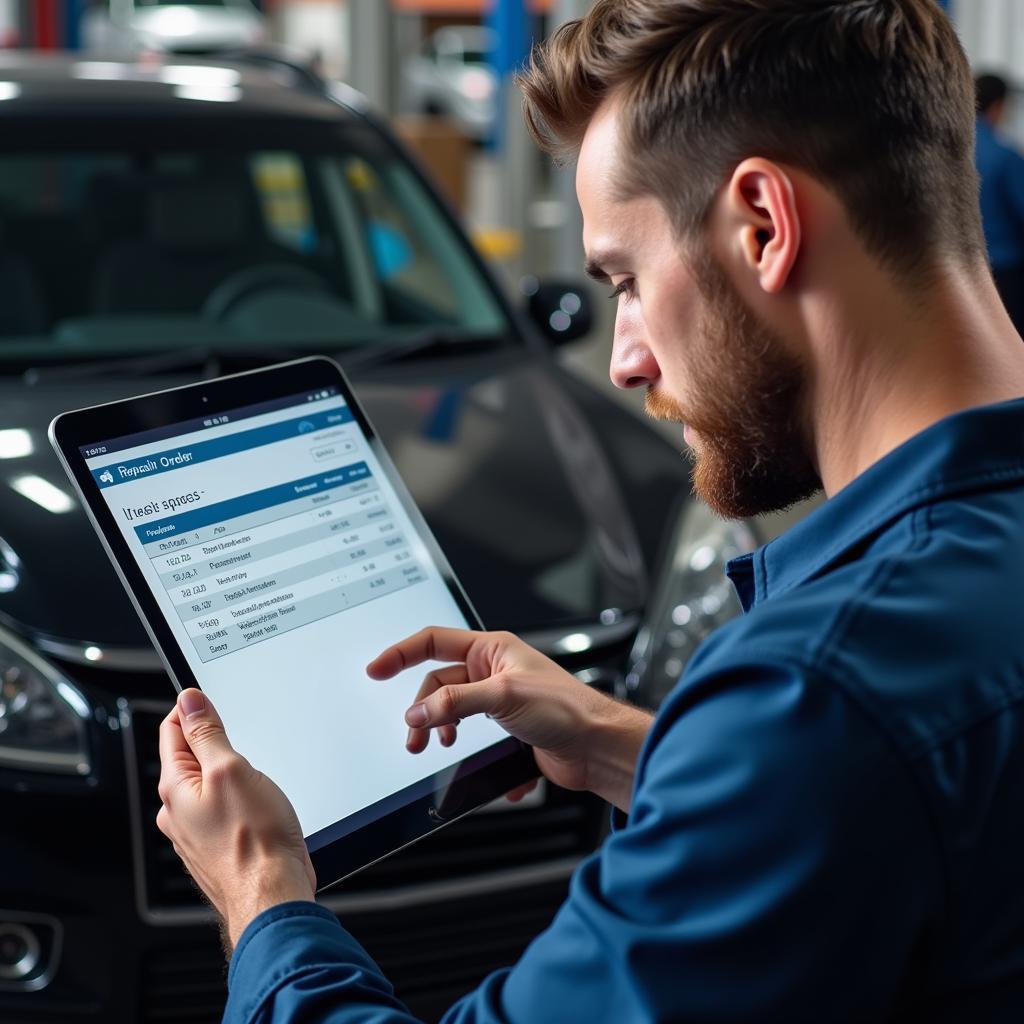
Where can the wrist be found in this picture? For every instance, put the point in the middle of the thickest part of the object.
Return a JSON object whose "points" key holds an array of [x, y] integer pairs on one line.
{"points": [[262, 889], [616, 733]]}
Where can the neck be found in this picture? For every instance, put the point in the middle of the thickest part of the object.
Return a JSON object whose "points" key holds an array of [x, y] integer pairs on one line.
{"points": [[890, 365]]}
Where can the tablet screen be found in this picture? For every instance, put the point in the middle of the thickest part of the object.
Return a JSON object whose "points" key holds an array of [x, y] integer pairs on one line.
{"points": [[283, 560]]}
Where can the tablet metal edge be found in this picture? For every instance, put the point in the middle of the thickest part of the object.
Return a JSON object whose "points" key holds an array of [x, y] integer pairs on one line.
{"points": [[97, 529]]}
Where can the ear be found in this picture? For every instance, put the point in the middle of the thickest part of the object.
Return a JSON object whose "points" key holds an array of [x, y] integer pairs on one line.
{"points": [[764, 221]]}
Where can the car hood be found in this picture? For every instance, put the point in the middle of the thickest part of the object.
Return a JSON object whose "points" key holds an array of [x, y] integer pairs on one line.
{"points": [[529, 504]]}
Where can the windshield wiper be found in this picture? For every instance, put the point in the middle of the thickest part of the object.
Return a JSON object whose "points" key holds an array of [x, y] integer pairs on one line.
{"points": [[428, 343], [210, 361]]}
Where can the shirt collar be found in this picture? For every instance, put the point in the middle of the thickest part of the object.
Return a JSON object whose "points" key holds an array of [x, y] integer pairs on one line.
{"points": [[968, 451]]}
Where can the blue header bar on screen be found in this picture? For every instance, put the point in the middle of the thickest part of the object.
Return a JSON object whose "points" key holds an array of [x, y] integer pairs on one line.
{"points": [[255, 502], [202, 451]]}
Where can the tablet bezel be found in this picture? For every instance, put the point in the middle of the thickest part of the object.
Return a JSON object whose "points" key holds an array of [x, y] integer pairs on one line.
{"points": [[400, 819]]}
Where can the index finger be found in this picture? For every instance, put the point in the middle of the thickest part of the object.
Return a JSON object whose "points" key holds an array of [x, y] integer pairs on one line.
{"points": [[435, 643]]}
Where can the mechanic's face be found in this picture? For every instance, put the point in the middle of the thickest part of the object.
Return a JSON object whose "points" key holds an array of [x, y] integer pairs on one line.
{"points": [[683, 332]]}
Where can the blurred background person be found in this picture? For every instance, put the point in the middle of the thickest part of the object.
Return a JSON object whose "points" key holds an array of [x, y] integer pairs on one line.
{"points": [[1001, 168]]}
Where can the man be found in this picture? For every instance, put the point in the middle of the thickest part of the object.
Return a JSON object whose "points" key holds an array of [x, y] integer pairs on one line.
{"points": [[823, 823], [1002, 196]]}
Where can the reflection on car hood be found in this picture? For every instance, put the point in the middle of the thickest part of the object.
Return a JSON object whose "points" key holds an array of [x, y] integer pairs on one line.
{"points": [[537, 513], [196, 25]]}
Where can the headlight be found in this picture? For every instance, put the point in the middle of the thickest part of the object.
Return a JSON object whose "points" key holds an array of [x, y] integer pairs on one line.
{"points": [[693, 598], [42, 715]]}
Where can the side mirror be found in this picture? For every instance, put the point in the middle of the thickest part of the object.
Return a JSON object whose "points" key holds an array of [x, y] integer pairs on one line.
{"points": [[562, 309]]}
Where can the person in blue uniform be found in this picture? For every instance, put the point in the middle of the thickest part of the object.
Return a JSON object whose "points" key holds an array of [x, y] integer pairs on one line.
{"points": [[1001, 168], [823, 822]]}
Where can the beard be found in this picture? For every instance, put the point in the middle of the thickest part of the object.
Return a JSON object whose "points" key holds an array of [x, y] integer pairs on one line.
{"points": [[746, 404]]}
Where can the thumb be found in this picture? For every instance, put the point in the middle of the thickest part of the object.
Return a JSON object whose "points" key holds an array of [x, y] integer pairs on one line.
{"points": [[202, 727]]}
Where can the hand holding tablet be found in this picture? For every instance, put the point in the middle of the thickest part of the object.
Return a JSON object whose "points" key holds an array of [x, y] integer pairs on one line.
{"points": [[235, 830]]}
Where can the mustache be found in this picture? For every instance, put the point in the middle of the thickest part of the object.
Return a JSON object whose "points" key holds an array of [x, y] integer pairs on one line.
{"points": [[660, 407]]}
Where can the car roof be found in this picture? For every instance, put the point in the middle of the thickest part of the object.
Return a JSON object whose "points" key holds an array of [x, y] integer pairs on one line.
{"points": [[34, 83]]}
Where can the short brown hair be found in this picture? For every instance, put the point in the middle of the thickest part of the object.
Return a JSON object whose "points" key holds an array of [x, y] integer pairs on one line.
{"points": [[874, 98]]}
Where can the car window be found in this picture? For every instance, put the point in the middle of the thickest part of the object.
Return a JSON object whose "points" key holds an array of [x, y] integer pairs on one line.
{"points": [[399, 248], [269, 246]]}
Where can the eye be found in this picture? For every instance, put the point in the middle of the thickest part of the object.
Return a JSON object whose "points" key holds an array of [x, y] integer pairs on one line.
{"points": [[626, 287]]}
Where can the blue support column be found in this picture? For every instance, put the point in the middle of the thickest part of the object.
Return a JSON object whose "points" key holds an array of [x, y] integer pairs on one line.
{"points": [[508, 19], [73, 11], [510, 22]]}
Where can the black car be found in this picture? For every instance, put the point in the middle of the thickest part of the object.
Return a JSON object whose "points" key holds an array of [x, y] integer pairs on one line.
{"points": [[165, 221]]}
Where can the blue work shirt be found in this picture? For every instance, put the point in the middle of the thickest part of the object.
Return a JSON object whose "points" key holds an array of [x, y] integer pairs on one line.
{"points": [[1001, 169], [828, 815]]}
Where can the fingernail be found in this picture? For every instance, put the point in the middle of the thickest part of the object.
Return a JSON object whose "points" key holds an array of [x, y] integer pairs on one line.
{"points": [[192, 702], [417, 715]]}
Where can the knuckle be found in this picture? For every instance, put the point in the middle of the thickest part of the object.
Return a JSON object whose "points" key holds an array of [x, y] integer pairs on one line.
{"points": [[163, 790], [202, 732], [448, 701], [224, 772], [504, 692]]}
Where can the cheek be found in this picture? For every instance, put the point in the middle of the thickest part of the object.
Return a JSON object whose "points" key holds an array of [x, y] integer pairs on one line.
{"points": [[671, 305]]}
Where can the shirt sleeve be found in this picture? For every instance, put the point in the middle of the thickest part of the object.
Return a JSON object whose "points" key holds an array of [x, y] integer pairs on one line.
{"points": [[777, 864]]}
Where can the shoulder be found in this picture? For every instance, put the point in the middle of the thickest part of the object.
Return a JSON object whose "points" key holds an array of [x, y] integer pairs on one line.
{"points": [[760, 715], [998, 154], [920, 631]]}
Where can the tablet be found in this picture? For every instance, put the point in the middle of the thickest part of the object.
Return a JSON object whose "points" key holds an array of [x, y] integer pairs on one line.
{"points": [[272, 551]]}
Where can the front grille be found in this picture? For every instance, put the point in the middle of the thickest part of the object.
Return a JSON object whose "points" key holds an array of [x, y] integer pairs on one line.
{"points": [[431, 959], [565, 826]]}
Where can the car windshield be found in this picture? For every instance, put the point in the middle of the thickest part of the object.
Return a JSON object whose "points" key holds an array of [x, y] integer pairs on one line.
{"points": [[323, 237]]}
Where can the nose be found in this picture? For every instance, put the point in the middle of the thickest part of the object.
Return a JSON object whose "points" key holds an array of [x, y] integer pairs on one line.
{"points": [[632, 364]]}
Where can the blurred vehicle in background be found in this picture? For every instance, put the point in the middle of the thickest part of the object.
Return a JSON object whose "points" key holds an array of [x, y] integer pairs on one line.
{"points": [[126, 28], [180, 218], [452, 76]]}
